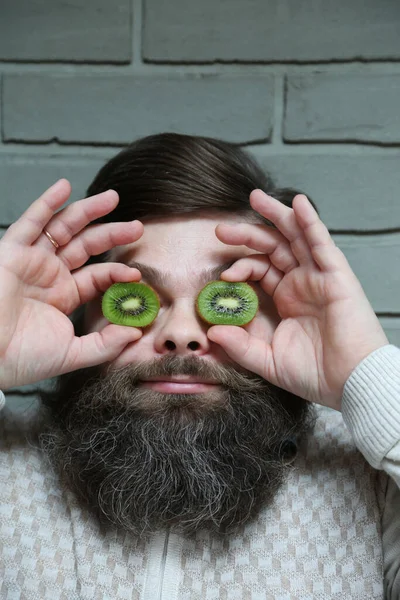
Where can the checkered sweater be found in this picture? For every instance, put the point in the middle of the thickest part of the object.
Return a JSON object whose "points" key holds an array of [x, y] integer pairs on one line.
{"points": [[333, 531]]}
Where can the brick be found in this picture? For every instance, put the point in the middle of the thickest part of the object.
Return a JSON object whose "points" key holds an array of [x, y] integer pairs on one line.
{"points": [[375, 259], [352, 192], [353, 107], [270, 30], [77, 30], [25, 178], [117, 109]]}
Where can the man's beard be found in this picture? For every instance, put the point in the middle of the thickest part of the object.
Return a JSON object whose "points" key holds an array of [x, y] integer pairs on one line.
{"points": [[144, 460]]}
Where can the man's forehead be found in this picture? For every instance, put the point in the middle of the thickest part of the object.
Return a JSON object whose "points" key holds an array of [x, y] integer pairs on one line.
{"points": [[180, 248], [168, 238], [186, 227]]}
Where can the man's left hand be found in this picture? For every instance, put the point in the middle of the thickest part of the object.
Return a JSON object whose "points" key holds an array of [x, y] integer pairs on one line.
{"points": [[327, 325]]}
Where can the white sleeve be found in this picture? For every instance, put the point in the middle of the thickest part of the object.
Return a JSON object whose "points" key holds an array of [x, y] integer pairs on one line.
{"points": [[371, 411]]}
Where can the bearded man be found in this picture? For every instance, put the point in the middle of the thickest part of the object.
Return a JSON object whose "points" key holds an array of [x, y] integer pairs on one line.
{"points": [[198, 461]]}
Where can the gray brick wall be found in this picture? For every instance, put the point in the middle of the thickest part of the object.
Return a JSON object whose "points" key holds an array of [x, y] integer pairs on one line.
{"points": [[311, 89], [115, 108]]}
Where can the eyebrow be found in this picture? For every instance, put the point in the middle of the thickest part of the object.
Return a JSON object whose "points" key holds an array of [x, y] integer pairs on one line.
{"points": [[155, 276]]}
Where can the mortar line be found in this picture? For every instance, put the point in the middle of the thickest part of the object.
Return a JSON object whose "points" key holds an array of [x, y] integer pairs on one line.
{"points": [[1, 109], [168, 69], [51, 151], [136, 31], [278, 110]]}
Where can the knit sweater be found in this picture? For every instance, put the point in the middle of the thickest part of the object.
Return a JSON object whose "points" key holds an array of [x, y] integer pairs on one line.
{"points": [[332, 531]]}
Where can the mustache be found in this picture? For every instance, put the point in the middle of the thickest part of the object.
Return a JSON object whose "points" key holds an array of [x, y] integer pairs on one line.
{"points": [[228, 375]]}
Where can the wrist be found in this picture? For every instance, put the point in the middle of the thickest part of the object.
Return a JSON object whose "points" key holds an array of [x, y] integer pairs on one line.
{"points": [[371, 407]]}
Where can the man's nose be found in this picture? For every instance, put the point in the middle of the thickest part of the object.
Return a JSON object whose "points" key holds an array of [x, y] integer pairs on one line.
{"points": [[182, 330]]}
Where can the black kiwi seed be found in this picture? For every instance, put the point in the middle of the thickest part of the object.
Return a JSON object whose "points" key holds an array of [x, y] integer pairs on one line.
{"points": [[134, 304], [227, 303]]}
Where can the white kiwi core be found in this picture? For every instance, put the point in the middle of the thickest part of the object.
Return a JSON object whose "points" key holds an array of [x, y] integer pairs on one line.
{"points": [[131, 304]]}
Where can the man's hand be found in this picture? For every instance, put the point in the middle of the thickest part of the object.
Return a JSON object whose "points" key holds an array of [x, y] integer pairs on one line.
{"points": [[328, 325], [41, 285]]}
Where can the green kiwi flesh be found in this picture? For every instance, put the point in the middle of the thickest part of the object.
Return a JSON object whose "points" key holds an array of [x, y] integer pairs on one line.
{"points": [[134, 304], [227, 303]]}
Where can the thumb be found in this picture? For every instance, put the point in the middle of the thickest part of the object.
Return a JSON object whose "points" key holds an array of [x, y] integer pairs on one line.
{"points": [[99, 347], [248, 351]]}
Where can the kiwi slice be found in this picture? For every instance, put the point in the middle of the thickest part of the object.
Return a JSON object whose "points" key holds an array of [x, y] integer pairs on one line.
{"points": [[227, 303], [133, 304]]}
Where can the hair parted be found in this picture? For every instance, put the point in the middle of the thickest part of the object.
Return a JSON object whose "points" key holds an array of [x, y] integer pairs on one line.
{"points": [[176, 174]]}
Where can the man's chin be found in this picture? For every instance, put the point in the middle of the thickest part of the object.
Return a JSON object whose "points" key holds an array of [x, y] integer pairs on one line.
{"points": [[143, 479]]}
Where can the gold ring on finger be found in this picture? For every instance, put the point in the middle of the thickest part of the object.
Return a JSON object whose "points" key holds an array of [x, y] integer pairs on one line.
{"points": [[53, 241]]}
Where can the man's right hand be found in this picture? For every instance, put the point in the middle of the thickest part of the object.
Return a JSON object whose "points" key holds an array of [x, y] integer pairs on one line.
{"points": [[40, 285]]}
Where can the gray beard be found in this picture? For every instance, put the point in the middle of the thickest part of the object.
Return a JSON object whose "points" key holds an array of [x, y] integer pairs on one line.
{"points": [[143, 460]]}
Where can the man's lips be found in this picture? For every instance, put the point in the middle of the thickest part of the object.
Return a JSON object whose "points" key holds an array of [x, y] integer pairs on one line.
{"points": [[181, 379], [179, 385]]}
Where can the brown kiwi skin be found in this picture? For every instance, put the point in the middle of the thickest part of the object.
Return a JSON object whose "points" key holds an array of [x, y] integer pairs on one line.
{"points": [[213, 324]]}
